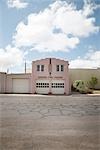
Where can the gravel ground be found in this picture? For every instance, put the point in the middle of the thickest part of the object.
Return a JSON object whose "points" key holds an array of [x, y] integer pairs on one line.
{"points": [[37, 122]]}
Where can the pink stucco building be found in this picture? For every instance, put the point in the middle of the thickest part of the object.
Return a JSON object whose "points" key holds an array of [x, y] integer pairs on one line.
{"points": [[49, 76]]}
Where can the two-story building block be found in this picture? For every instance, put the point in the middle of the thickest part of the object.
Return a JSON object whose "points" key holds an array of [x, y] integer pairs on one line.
{"points": [[50, 76]]}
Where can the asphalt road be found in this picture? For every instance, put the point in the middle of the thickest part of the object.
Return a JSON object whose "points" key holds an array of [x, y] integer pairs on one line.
{"points": [[40, 122]]}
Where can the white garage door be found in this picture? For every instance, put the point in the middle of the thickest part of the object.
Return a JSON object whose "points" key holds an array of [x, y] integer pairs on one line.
{"points": [[42, 86], [20, 85], [58, 87]]}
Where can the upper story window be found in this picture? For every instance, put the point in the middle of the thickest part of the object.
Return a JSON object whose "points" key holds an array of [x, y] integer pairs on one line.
{"points": [[60, 68], [57, 68], [40, 67]]}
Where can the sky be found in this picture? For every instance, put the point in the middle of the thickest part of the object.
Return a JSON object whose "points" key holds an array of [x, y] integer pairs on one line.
{"points": [[37, 29]]}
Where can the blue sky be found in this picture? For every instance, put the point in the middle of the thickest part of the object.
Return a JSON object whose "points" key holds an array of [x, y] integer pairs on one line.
{"points": [[34, 29]]}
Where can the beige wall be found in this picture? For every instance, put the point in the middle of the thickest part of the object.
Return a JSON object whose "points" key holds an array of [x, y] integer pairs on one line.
{"points": [[10, 77], [84, 74], [2, 82]]}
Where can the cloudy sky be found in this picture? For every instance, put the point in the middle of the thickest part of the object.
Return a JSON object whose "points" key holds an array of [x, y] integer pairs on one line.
{"points": [[35, 29]]}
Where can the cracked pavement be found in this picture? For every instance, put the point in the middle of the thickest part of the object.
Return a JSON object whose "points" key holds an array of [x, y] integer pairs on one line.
{"points": [[40, 122]]}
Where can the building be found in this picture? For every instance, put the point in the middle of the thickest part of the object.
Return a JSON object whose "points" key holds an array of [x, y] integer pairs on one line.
{"points": [[2, 82], [49, 76]]}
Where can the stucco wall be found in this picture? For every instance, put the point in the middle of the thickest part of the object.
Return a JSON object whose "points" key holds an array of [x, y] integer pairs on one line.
{"points": [[74, 74], [64, 75], [10, 77], [84, 74], [2, 82]]}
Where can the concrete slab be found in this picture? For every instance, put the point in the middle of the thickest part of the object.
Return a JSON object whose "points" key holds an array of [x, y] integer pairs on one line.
{"points": [[44, 122]]}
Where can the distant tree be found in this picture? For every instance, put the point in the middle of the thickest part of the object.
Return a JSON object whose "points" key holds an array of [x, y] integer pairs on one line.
{"points": [[93, 81]]}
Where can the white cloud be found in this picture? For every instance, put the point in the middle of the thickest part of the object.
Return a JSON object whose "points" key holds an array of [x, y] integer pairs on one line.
{"points": [[17, 4], [89, 7], [90, 60], [9, 57], [58, 28]]}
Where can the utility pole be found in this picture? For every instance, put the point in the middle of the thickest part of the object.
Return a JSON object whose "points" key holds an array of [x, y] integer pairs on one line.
{"points": [[7, 70], [25, 66]]}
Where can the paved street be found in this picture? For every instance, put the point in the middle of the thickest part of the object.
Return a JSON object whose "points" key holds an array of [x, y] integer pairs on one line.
{"points": [[42, 122]]}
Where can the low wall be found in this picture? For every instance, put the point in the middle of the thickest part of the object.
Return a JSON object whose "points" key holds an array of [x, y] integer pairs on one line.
{"points": [[2, 82], [85, 75]]}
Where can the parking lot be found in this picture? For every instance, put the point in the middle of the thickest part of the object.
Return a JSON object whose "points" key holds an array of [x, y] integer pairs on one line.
{"points": [[40, 122]]}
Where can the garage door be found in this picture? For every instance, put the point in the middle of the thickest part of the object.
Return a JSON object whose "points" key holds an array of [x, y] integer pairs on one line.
{"points": [[20, 85], [58, 87], [42, 86]]}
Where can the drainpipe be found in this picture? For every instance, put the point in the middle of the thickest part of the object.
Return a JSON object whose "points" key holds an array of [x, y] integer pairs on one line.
{"points": [[50, 73]]}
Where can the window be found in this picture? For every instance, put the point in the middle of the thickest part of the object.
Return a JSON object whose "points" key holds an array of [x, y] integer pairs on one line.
{"points": [[42, 85], [42, 67], [62, 67], [57, 85], [57, 68], [38, 67]]}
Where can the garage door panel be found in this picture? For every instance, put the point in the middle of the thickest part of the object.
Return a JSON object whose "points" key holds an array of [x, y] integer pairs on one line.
{"points": [[58, 87], [50, 86], [42, 86], [20, 85]]}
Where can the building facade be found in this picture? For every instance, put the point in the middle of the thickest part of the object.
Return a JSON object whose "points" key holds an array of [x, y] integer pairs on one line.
{"points": [[3, 82], [49, 76], [18, 83]]}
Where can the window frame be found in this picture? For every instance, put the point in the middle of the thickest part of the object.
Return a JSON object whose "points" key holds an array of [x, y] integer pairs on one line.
{"points": [[42, 68], [38, 67], [62, 68], [57, 68]]}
